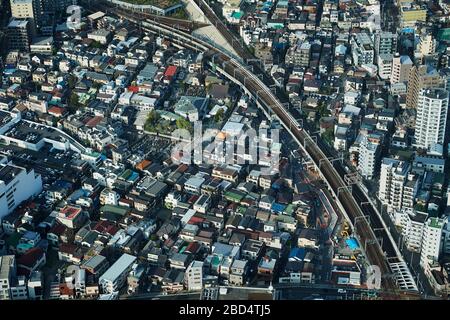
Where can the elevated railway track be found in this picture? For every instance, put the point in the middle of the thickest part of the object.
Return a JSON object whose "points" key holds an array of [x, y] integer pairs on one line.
{"points": [[376, 251]]}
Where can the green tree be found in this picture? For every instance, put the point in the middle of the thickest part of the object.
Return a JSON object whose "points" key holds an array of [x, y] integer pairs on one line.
{"points": [[153, 237], [152, 121], [180, 14], [322, 110], [97, 45], [219, 115], [184, 124], [74, 103], [71, 81], [328, 136], [153, 117]]}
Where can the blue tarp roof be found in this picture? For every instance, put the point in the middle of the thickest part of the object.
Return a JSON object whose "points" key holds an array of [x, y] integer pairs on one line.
{"points": [[297, 254], [134, 176], [352, 243], [408, 30], [278, 207]]}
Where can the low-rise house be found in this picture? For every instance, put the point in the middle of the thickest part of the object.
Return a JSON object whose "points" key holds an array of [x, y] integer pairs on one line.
{"points": [[202, 204], [345, 272], [70, 253], [173, 281], [136, 277], [31, 261], [179, 261], [239, 271], [55, 233], [308, 238], [71, 216], [188, 232], [226, 173], [252, 249], [96, 266], [266, 266]]}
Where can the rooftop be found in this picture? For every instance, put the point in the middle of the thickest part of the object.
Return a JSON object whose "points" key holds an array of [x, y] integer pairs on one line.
{"points": [[94, 261], [6, 264], [8, 172], [435, 223], [69, 212], [18, 23], [124, 262]]}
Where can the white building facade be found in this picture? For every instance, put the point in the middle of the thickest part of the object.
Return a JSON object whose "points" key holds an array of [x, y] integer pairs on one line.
{"points": [[16, 185], [431, 120]]}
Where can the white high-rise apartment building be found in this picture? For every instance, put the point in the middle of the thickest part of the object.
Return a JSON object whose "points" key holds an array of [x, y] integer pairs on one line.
{"points": [[16, 185], [369, 153], [397, 187], [194, 276], [427, 45], [393, 176], [431, 241], [411, 224], [431, 117], [22, 9]]}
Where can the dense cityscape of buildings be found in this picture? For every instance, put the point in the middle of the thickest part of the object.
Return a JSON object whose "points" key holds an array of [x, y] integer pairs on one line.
{"points": [[95, 205]]}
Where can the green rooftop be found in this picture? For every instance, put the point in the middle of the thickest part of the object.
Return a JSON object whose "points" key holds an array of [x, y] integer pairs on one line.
{"points": [[233, 196], [113, 209], [215, 261], [237, 15], [444, 34], [241, 209], [435, 223], [289, 209], [126, 174]]}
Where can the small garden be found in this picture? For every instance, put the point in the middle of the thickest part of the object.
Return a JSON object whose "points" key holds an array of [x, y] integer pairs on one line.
{"points": [[155, 123]]}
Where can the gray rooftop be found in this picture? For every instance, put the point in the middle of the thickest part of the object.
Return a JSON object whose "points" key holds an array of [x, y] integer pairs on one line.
{"points": [[6, 264], [8, 172], [124, 262], [94, 261]]}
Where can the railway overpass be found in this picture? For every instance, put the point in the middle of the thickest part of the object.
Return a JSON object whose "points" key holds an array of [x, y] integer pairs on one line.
{"points": [[376, 253], [181, 24]]}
